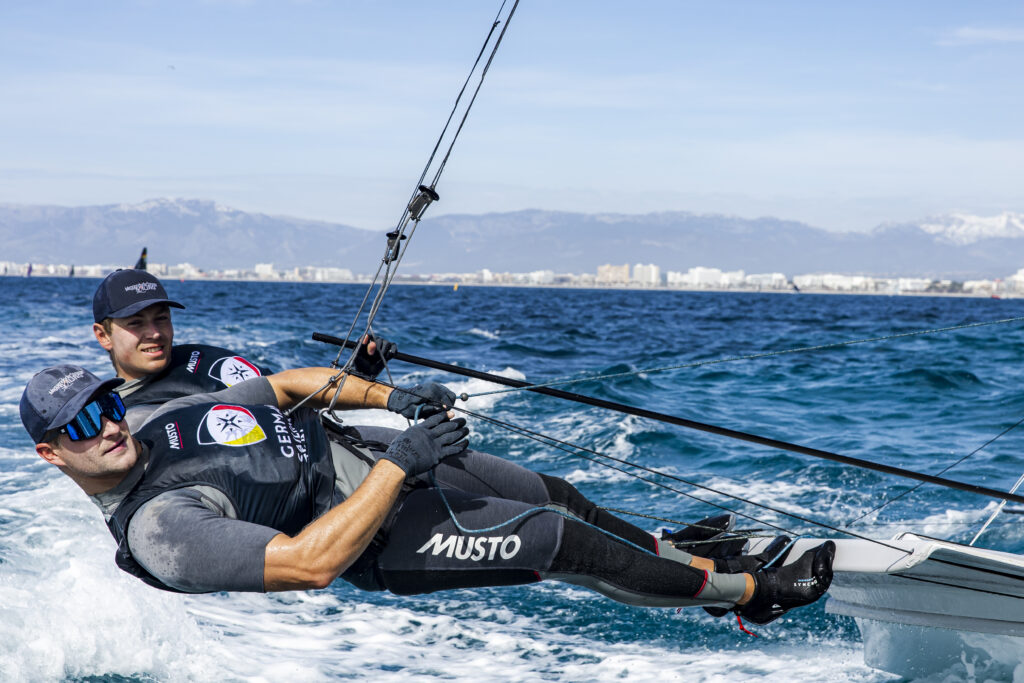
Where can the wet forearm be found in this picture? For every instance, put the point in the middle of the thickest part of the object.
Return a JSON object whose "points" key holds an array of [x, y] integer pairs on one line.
{"points": [[329, 545], [292, 386]]}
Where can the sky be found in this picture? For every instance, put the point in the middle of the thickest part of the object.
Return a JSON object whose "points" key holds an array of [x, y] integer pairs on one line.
{"points": [[840, 115]]}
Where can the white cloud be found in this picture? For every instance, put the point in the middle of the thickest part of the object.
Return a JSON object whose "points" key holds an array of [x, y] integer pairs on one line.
{"points": [[972, 35]]}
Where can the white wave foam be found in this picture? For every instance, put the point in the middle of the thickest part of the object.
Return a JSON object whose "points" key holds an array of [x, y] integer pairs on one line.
{"points": [[483, 333], [67, 612]]}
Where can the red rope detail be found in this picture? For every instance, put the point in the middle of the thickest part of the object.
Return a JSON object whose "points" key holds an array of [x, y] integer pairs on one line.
{"points": [[703, 584], [744, 628]]}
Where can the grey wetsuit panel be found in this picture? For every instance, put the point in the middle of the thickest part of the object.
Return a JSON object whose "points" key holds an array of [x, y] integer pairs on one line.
{"points": [[188, 538]]}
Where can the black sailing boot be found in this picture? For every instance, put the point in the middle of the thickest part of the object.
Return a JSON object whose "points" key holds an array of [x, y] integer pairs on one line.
{"points": [[775, 553], [778, 590]]}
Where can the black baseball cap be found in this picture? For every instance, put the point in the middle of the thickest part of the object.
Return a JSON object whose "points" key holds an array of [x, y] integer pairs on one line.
{"points": [[126, 292], [54, 396]]}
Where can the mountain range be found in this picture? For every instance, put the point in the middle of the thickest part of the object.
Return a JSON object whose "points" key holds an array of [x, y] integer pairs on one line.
{"points": [[211, 236]]}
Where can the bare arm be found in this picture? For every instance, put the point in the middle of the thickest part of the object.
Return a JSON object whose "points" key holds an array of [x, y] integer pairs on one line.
{"points": [[291, 386], [329, 545]]}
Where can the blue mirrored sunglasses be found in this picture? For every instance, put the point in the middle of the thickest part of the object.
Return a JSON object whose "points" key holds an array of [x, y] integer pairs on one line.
{"points": [[88, 422]]}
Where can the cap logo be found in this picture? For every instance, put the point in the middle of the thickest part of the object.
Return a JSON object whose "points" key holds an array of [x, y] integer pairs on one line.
{"points": [[66, 381], [141, 287]]}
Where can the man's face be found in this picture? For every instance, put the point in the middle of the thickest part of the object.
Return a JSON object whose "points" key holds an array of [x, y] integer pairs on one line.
{"points": [[97, 464], [140, 344]]}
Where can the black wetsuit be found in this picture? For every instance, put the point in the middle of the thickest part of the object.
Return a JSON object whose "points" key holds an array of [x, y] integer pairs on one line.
{"points": [[199, 529]]}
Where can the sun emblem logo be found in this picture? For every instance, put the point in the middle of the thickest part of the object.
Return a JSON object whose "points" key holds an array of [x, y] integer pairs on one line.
{"points": [[232, 370], [229, 426]]}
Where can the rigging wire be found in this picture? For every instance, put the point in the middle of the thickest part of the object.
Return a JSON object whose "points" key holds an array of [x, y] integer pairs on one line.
{"points": [[582, 452], [940, 473], [564, 381], [566, 446], [396, 252], [704, 427], [421, 198]]}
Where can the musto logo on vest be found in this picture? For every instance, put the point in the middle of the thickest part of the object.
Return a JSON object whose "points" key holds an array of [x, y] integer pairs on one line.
{"points": [[229, 426], [232, 370]]}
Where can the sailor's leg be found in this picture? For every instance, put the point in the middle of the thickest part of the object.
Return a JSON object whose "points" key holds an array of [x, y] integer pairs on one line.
{"points": [[426, 552], [488, 475]]}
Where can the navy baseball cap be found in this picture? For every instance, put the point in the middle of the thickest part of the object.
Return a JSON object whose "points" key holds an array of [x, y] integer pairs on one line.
{"points": [[54, 396], [126, 292]]}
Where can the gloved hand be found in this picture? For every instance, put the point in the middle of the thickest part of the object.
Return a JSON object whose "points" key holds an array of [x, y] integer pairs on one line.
{"points": [[369, 366], [430, 395], [422, 446]]}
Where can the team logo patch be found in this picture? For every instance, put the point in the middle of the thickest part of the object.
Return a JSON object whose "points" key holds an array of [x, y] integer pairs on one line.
{"points": [[232, 370], [229, 426]]}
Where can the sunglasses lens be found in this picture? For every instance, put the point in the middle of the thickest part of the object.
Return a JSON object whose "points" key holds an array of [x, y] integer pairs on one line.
{"points": [[73, 433], [86, 423], [112, 407], [89, 420]]}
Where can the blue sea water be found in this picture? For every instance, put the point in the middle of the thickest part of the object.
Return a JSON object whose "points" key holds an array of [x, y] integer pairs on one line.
{"points": [[921, 402]]}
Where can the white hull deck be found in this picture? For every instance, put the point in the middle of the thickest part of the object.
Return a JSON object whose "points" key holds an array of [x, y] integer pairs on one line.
{"points": [[924, 606]]}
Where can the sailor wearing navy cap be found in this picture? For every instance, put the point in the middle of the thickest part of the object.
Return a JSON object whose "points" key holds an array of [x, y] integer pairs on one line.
{"points": [[132, 321], [64, 409], [132, 315]]}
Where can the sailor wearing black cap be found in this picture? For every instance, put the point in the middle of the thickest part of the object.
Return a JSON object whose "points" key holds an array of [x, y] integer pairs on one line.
{"points": [[132, 322]]}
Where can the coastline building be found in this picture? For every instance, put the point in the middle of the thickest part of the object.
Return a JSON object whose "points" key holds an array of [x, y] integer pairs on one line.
{"points": [[613, 275], [841, 283], [767, 281], [647, 275], [700, 277]]}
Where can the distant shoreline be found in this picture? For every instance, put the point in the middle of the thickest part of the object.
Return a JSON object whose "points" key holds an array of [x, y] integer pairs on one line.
{"points": [[517, 285]]}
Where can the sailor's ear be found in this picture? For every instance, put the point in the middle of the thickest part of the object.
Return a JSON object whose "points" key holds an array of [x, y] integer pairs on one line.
{"points": [[47, 453], [101, 336]]}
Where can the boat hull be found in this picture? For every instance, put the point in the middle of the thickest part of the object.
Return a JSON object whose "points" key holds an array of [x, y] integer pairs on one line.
{"points": [[925, 606]]}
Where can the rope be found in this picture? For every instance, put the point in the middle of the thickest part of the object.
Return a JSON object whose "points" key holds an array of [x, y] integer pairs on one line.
{"points": [[580, 451], [559, 444], [940, 473], [563, 381], [736, 532], [389, 263]]}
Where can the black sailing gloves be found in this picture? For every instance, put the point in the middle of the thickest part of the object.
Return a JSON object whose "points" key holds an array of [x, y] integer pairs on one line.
{"points": [[422, 446], [430, 398], [369, 366]]}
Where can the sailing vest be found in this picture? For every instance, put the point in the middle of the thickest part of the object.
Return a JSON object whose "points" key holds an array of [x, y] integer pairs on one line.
{"points": [[276, 470], [193, 369]]}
